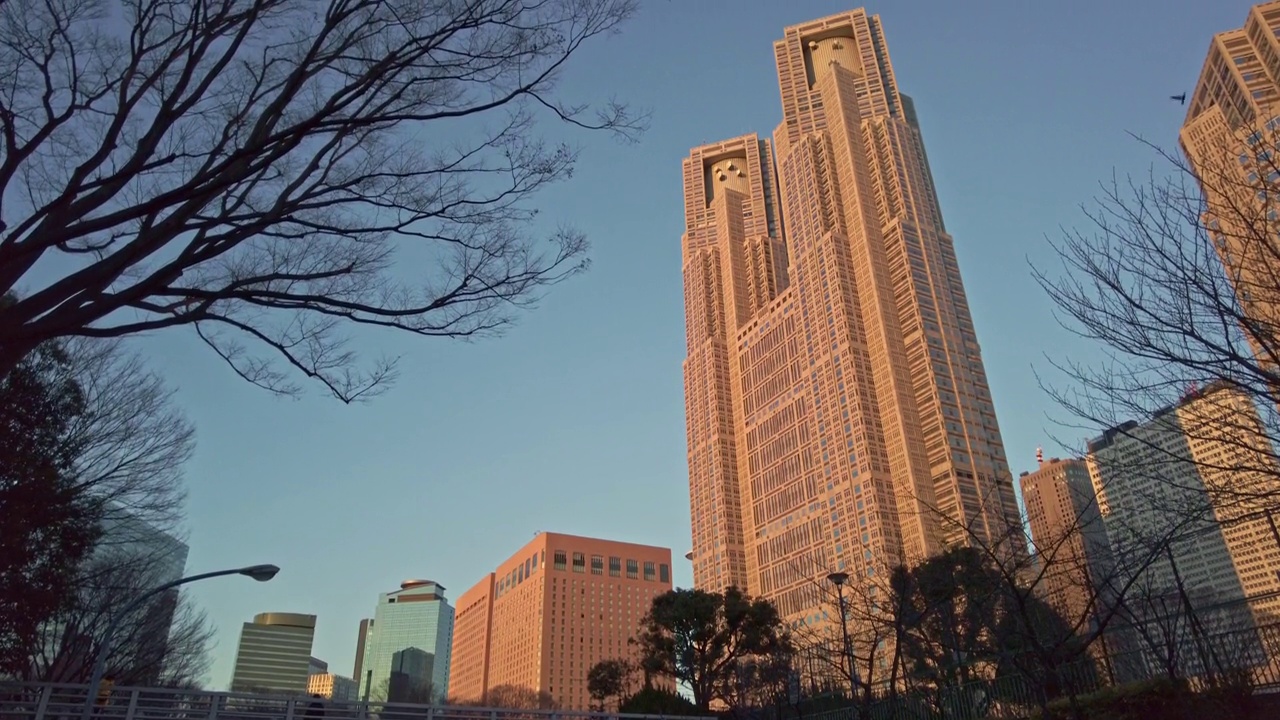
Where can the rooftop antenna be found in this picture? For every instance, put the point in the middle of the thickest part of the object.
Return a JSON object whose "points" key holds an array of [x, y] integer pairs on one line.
{"points": [[1039, 456]]}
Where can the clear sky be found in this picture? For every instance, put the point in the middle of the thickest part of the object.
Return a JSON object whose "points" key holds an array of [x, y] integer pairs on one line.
{"points": [[574, 422]]}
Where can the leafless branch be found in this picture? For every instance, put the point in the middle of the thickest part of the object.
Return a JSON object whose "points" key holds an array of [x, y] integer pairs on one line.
{"points": [[271, 172]]}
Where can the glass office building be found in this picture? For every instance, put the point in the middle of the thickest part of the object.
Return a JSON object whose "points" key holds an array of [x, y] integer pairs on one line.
{"points": [[417, 617]]}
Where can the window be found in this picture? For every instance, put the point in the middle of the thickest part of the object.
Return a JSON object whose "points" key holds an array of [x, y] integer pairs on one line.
{"points": [[633, 569], [559, 559], [579, 562], [664, 573], [615, 567], [648, 572], [597, 565]]}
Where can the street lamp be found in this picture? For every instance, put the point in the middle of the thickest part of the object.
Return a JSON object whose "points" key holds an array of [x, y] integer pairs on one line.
{"points": [[839, 579], [261, 573]]}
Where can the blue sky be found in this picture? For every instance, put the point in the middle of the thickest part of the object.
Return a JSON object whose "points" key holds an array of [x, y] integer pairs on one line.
{"points": [[574, 421]]}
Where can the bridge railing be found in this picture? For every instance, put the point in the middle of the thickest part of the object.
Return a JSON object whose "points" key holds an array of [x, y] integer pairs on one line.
{"points": [[46, 701]]}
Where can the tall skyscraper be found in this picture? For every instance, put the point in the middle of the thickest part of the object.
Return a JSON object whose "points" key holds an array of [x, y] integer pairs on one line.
{"points": [[1202, 494], [274, 653], [1069, 536], [838, 414], [415, 616], [1230, 137], [551, 611]]}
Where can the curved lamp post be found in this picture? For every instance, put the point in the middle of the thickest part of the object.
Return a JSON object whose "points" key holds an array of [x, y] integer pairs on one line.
{"points": [[261, 573], [839, 579]]}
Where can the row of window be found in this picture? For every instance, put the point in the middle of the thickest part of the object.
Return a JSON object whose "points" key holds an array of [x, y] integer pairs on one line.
{"points": [[519, 573], [652, 571]]}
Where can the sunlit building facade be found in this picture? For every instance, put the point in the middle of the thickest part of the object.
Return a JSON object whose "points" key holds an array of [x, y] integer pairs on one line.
{"points": [[332, 687], [1073, 554], [1231, 137], [1192, 486], [550, 612], [838, 414]]}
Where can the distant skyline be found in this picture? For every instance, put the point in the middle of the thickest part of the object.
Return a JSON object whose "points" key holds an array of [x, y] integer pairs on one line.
{"points": [[574, 421]]}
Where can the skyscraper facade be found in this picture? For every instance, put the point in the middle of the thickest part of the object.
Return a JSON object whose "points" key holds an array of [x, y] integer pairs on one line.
{"points": [[1192, 479], [550, 612], [1070, 539], [274, 653], [1230, 136], [130, 556], [416, 616], [838, 413]]}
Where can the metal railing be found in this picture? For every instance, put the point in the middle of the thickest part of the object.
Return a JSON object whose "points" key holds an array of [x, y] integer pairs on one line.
{"points": [[45, 701]]}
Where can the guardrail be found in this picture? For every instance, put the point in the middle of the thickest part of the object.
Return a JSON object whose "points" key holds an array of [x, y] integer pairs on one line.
{"points": [[46, 701]]}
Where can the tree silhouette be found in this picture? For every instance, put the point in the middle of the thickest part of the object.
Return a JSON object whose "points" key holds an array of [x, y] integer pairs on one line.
{"points": [[270, 173], [699, 638]]}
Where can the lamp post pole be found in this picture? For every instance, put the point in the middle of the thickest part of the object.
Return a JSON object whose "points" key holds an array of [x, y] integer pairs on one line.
{"points": [[839, 579], [261, 573]]}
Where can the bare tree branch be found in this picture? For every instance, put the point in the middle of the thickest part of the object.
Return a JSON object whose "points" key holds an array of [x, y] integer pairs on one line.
{"points": [[273, 171]]}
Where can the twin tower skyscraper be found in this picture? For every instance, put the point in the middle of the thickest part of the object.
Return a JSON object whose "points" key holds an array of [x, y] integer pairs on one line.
{"points": [[838, 413]]}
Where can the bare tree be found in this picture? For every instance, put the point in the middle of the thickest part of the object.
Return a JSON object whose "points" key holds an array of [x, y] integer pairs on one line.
{"points": [[128, 445], [131, 442], [518, 697], [1178, 281], [164, 643], [270, 172], [870, 667]]}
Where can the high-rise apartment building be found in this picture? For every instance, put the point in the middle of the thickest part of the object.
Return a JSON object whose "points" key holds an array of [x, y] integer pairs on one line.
{"points": [[416, 616], [1230, 136], [838, 413], [1193, 479], [551, 611], [1071, 545], [274, 653]]}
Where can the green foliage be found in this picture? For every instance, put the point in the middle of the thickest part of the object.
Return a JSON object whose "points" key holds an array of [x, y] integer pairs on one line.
{"points": [[698, 638], [608, 678], [652, 701], [49, 521]]}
